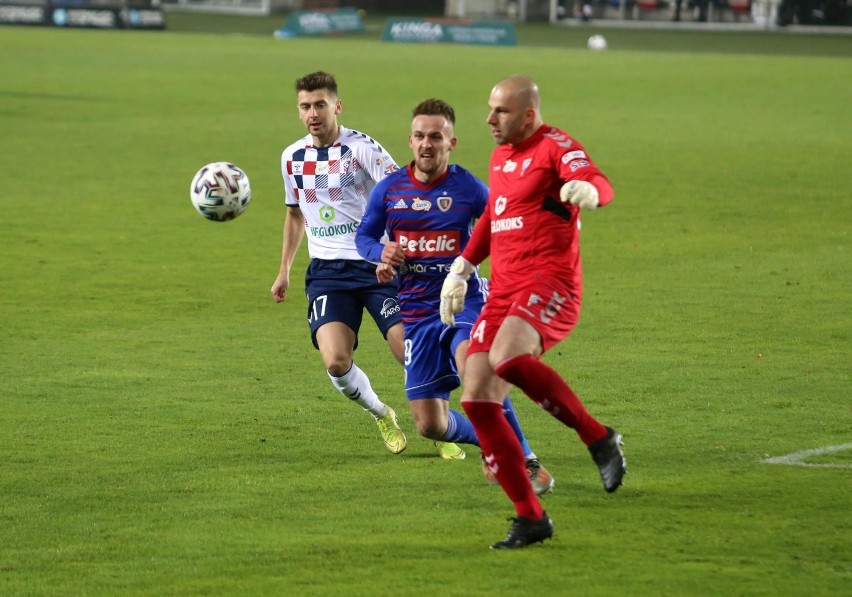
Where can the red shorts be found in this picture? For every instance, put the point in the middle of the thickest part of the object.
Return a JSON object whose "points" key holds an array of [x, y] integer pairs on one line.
{"points": [[547, 305]]}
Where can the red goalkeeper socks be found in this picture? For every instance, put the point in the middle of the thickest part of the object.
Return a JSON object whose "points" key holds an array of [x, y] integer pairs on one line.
{"points": [[547, 389], [503, 455]]}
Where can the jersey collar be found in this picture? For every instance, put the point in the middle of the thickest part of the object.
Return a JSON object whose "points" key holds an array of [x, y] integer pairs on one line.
{"points": [[532, 139], [410, 171]]}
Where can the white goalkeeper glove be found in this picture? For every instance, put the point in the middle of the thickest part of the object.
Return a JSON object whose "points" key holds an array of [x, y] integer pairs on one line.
{"points": [[580, 192], [454, 289]]}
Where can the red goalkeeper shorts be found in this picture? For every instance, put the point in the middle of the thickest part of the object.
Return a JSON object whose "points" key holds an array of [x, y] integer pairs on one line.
{"points": [[547, 305]]}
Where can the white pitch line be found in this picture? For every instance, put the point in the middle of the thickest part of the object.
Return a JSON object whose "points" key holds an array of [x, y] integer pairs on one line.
{"points": [[798, 458]]}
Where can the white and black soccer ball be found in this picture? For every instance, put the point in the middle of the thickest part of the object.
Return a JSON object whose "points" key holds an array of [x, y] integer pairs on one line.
{"points": [[597, 42], [220, 191]]}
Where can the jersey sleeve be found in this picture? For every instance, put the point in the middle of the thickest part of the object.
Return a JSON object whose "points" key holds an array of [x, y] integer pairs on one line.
{"points": [[481, 198], [604, 187], [370, 231], [479, 246], [291, 196], [376, 160]]}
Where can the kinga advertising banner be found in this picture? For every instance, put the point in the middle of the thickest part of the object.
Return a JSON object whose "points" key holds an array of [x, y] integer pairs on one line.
{"points": [[426, 31]]}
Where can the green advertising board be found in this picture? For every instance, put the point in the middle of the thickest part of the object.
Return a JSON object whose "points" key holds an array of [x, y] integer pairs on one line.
{"points": [[489, 33], [321, 22]]}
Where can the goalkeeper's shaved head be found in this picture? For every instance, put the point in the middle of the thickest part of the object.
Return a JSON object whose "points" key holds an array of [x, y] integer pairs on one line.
{"points": [[515, 113], [523, 89]]}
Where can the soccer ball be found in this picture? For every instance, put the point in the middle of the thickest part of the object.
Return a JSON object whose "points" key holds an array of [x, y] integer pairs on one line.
{"points": [[597, 42], [220, 191]]}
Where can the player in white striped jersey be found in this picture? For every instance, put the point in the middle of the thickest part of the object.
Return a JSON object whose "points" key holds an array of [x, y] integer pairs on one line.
{"points": [[328, 176]]}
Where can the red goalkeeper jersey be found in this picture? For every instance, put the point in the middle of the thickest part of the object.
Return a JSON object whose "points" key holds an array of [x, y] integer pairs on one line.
{"points": [[526, 229]]}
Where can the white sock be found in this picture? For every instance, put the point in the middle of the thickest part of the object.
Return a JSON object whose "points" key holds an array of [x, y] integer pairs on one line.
{"points": [[355, 385]]}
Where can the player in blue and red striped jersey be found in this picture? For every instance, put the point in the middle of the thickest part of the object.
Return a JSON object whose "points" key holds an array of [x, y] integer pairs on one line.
{"points": [[427, 210], [539, 178]]}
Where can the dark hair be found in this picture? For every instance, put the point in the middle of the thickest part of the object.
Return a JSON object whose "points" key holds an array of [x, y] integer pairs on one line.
{"points": [[315, 81], [435, 107]]}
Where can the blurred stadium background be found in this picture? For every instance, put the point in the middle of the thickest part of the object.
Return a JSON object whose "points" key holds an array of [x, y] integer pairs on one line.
{"points": [[834, 16]]}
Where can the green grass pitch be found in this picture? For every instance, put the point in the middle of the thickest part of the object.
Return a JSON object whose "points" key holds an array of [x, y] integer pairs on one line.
{"points": [[167, 429]]}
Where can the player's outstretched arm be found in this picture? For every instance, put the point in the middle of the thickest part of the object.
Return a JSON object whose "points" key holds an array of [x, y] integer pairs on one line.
{"points": [[587, 194], [580, 192]]}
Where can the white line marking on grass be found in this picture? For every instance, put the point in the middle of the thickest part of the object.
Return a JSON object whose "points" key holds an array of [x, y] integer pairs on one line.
{"points": [[798, 458]]}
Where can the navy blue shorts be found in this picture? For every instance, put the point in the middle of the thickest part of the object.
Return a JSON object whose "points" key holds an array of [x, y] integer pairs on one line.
{"points": [[339, 290], [430, 348]]}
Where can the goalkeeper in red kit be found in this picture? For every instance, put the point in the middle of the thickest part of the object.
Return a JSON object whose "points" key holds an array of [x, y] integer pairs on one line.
{"points": [[539, 179]]}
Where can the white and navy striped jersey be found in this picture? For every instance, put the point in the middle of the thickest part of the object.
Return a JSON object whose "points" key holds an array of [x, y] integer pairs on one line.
{"points": [[331, 185]]}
